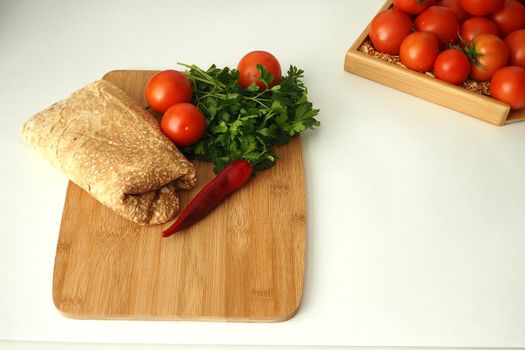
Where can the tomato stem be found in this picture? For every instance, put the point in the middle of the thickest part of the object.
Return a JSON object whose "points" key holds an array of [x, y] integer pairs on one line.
{"points": [[470, 50]]}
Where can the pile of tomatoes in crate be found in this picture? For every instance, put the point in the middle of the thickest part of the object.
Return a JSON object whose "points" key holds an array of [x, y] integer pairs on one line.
{"points": [[482, 40]]}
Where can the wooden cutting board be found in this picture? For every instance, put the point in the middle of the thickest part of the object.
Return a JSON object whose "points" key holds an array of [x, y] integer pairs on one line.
{"points": [[243, 262]]}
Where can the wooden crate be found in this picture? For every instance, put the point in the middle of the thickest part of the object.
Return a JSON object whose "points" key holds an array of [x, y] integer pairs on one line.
{"points": [[427, 87]]}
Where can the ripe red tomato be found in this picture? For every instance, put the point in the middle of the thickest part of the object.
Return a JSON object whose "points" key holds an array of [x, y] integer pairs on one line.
{"points": [[413, 7], [452, 66], [475, 26], [248, 73], [516, 43], [183, 124], [419, 51], [388, 30], [510, 18], [441, 22], [508, 85], [456, 8], [167, 88], [492, 54], [481, 7]]}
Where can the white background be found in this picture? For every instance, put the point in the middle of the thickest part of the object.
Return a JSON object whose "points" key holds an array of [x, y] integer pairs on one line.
{"points": [[415, 213]]}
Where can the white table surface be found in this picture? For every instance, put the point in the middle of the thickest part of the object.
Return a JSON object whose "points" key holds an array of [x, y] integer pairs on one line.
{"points": [[416, 213]]}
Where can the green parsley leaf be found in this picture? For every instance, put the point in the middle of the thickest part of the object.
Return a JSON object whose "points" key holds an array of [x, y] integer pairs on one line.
{"points": [[247, 123]]}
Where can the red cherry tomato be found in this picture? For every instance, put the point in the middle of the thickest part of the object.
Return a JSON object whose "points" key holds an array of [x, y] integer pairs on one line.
{"points": [[388, 30], [510, 18], [248, 73], [481, 7], [516, 43], [166, 89], [475, 26], [492, 54], [413, 7], [183, 124], [455, 7], [508, 85], [452, 66], [419, 51], [441, 22]]}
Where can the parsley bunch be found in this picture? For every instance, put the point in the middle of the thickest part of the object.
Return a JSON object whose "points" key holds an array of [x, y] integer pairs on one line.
{"points": [[246, 123]]}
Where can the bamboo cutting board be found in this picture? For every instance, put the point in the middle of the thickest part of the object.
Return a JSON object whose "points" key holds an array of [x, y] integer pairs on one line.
{"points": [[243, 262]]}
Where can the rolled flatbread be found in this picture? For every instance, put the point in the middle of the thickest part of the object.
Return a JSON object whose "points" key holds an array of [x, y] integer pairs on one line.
{"points": [[107, 144]]}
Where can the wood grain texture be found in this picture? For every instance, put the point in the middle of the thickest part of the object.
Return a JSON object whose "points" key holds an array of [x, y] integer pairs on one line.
{"points": [[427, 87], [243, 262]]}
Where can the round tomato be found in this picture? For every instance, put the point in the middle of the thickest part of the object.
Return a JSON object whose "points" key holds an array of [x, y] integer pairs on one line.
{"points": [[510, 18], [183, 124], [452, 66], [516, 43], [413, 7], [490, 54], [455, 7], [441, 22], [166, 89], [475, 26], [419, 51], [249, 74], [508, 85], [481, 7], [388, 30]]}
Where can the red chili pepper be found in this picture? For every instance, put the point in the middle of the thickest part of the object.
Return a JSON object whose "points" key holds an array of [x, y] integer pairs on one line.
{"points": [[230, 179]]}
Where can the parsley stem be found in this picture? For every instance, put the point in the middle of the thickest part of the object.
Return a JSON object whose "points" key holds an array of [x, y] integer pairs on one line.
{"points": [[259, 102], [258, 99], [193, 77]]}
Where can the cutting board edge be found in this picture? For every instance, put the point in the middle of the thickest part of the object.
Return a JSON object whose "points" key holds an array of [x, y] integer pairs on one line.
{"points": [[124, 71], [147, 317]]}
